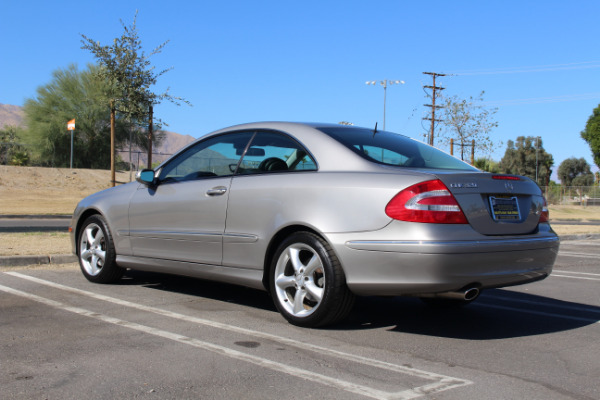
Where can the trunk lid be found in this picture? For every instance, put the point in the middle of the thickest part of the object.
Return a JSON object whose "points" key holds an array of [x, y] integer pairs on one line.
{"points": [[496, 204]]}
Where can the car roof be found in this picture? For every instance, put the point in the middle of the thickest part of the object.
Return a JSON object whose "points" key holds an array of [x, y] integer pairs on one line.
{"points": [[330, 154]]}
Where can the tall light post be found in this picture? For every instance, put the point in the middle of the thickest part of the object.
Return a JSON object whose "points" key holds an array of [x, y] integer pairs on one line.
{"points": [[385, 84]]}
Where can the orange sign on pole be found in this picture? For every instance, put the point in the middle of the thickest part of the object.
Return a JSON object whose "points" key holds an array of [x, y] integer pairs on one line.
{"points": [[71, 127]]}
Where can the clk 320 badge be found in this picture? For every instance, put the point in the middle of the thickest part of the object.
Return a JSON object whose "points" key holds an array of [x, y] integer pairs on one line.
{"points": [[466, 185]]}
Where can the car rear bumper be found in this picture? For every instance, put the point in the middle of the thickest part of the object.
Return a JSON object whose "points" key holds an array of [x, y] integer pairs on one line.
{"points": [[392, 268]]}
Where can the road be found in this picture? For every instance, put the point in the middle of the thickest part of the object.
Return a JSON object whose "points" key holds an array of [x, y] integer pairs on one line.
{"points": [[38, 223], [155, 336]]}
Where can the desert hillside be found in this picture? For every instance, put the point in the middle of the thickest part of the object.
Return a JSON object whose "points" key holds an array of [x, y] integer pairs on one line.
{"points": [[36, 190], [11, 115]]}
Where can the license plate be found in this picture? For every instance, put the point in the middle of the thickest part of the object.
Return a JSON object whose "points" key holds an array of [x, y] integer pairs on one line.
{"points": [[505, 208]]}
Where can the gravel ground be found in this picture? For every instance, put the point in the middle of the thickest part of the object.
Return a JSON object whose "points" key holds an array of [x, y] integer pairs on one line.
{"points": [[34, 243]]}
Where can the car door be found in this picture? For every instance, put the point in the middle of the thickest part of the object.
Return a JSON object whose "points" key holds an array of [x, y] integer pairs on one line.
{"points": [[266, 192], [182, 216]]}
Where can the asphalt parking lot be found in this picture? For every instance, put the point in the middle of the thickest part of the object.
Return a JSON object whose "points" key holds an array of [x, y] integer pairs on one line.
{"points": [[157, 336]]}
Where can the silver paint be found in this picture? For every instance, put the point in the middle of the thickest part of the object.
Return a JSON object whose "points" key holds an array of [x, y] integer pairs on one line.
{"points": [[224, 228]]}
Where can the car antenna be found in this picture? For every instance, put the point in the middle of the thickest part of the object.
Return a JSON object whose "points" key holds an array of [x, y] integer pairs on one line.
{"points": [[375, 130]]}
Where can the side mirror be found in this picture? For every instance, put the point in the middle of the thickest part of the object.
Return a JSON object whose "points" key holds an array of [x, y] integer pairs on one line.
{"points": [[146, 177]]}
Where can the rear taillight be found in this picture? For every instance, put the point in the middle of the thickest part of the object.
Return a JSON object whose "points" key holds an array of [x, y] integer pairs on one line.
{"points": [[427, 202], [545, 214]]}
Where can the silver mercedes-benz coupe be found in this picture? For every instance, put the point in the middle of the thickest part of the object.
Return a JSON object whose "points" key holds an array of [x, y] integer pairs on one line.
{"points": [[316, 214]]}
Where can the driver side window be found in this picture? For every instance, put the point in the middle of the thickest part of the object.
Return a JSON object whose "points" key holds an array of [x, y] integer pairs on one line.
{"points": [[274, 152], [217, 156]]}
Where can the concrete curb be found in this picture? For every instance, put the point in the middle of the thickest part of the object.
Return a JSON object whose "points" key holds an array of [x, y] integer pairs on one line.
{"points": [[21, 261]]}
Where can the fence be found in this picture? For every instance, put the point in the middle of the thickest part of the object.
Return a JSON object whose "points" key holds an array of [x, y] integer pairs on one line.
{"points": [[139, 159], [572, 195]]}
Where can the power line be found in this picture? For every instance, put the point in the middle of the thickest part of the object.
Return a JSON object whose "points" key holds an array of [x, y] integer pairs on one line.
{"points": [[538, 68], [539, 100]]}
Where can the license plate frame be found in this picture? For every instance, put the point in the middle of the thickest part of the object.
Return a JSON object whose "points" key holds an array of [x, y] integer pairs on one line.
{"points": [[505, 208]]}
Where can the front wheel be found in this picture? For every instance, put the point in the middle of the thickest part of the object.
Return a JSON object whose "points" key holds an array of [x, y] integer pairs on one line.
{"points": [[96, 252], [307, 283]]}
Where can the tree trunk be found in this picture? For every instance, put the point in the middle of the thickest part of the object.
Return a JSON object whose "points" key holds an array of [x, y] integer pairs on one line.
{"points": [[150, 137], [112, 142]]}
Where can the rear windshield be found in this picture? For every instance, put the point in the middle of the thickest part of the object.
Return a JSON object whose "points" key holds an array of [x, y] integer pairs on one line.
{"points": [[390, 148]]}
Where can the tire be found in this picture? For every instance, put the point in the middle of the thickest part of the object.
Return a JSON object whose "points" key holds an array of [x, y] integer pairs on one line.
{"points": [[96, 252], [307, 282]]}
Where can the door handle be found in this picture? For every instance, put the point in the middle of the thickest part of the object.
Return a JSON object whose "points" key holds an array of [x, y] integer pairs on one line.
{"points": [[216, 191]]}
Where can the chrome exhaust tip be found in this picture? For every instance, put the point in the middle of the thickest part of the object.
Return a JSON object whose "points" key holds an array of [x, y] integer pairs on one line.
{"points": [[468, 294], [471, 294]]}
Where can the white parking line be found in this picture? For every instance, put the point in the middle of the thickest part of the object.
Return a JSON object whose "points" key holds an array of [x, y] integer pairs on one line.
{"points": [[440, 382], [575, 273], [581, 243], [575, 277], [260, 361], [581, 255]]}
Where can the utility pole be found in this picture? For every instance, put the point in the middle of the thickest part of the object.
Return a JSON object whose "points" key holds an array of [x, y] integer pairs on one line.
{"points": [[433, 88]]}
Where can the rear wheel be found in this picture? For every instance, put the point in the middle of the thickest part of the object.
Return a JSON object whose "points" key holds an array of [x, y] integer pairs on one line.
{"points": [[96, 252], [308, 284]]}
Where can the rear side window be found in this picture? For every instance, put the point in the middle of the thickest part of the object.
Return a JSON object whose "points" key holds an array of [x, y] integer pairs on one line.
{"points": [[392, 149]]}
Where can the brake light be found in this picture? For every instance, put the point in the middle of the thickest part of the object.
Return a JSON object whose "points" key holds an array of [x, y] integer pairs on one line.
{"points": [[545, 214], [506, 178], [426, 202]]}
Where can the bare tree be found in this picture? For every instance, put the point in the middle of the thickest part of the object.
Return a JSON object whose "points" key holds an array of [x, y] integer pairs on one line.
{"points": [[467, 120]]}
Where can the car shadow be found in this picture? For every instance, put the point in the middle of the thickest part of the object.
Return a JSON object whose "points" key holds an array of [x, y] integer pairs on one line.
{"points": [[201, 288], [496, 314]]}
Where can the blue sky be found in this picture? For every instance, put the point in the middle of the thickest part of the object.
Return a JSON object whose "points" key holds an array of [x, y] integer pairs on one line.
{"points": [[243, 61]]}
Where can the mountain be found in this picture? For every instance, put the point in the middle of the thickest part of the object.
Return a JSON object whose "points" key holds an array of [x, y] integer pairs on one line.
{"points": [[11, 115], [172, 142]]}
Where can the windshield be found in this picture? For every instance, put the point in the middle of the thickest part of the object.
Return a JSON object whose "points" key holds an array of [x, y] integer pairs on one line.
{"points": [[392, 149]]}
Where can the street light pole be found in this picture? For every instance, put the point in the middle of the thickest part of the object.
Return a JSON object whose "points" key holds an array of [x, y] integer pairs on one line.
{"points": [[385, 84]]}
